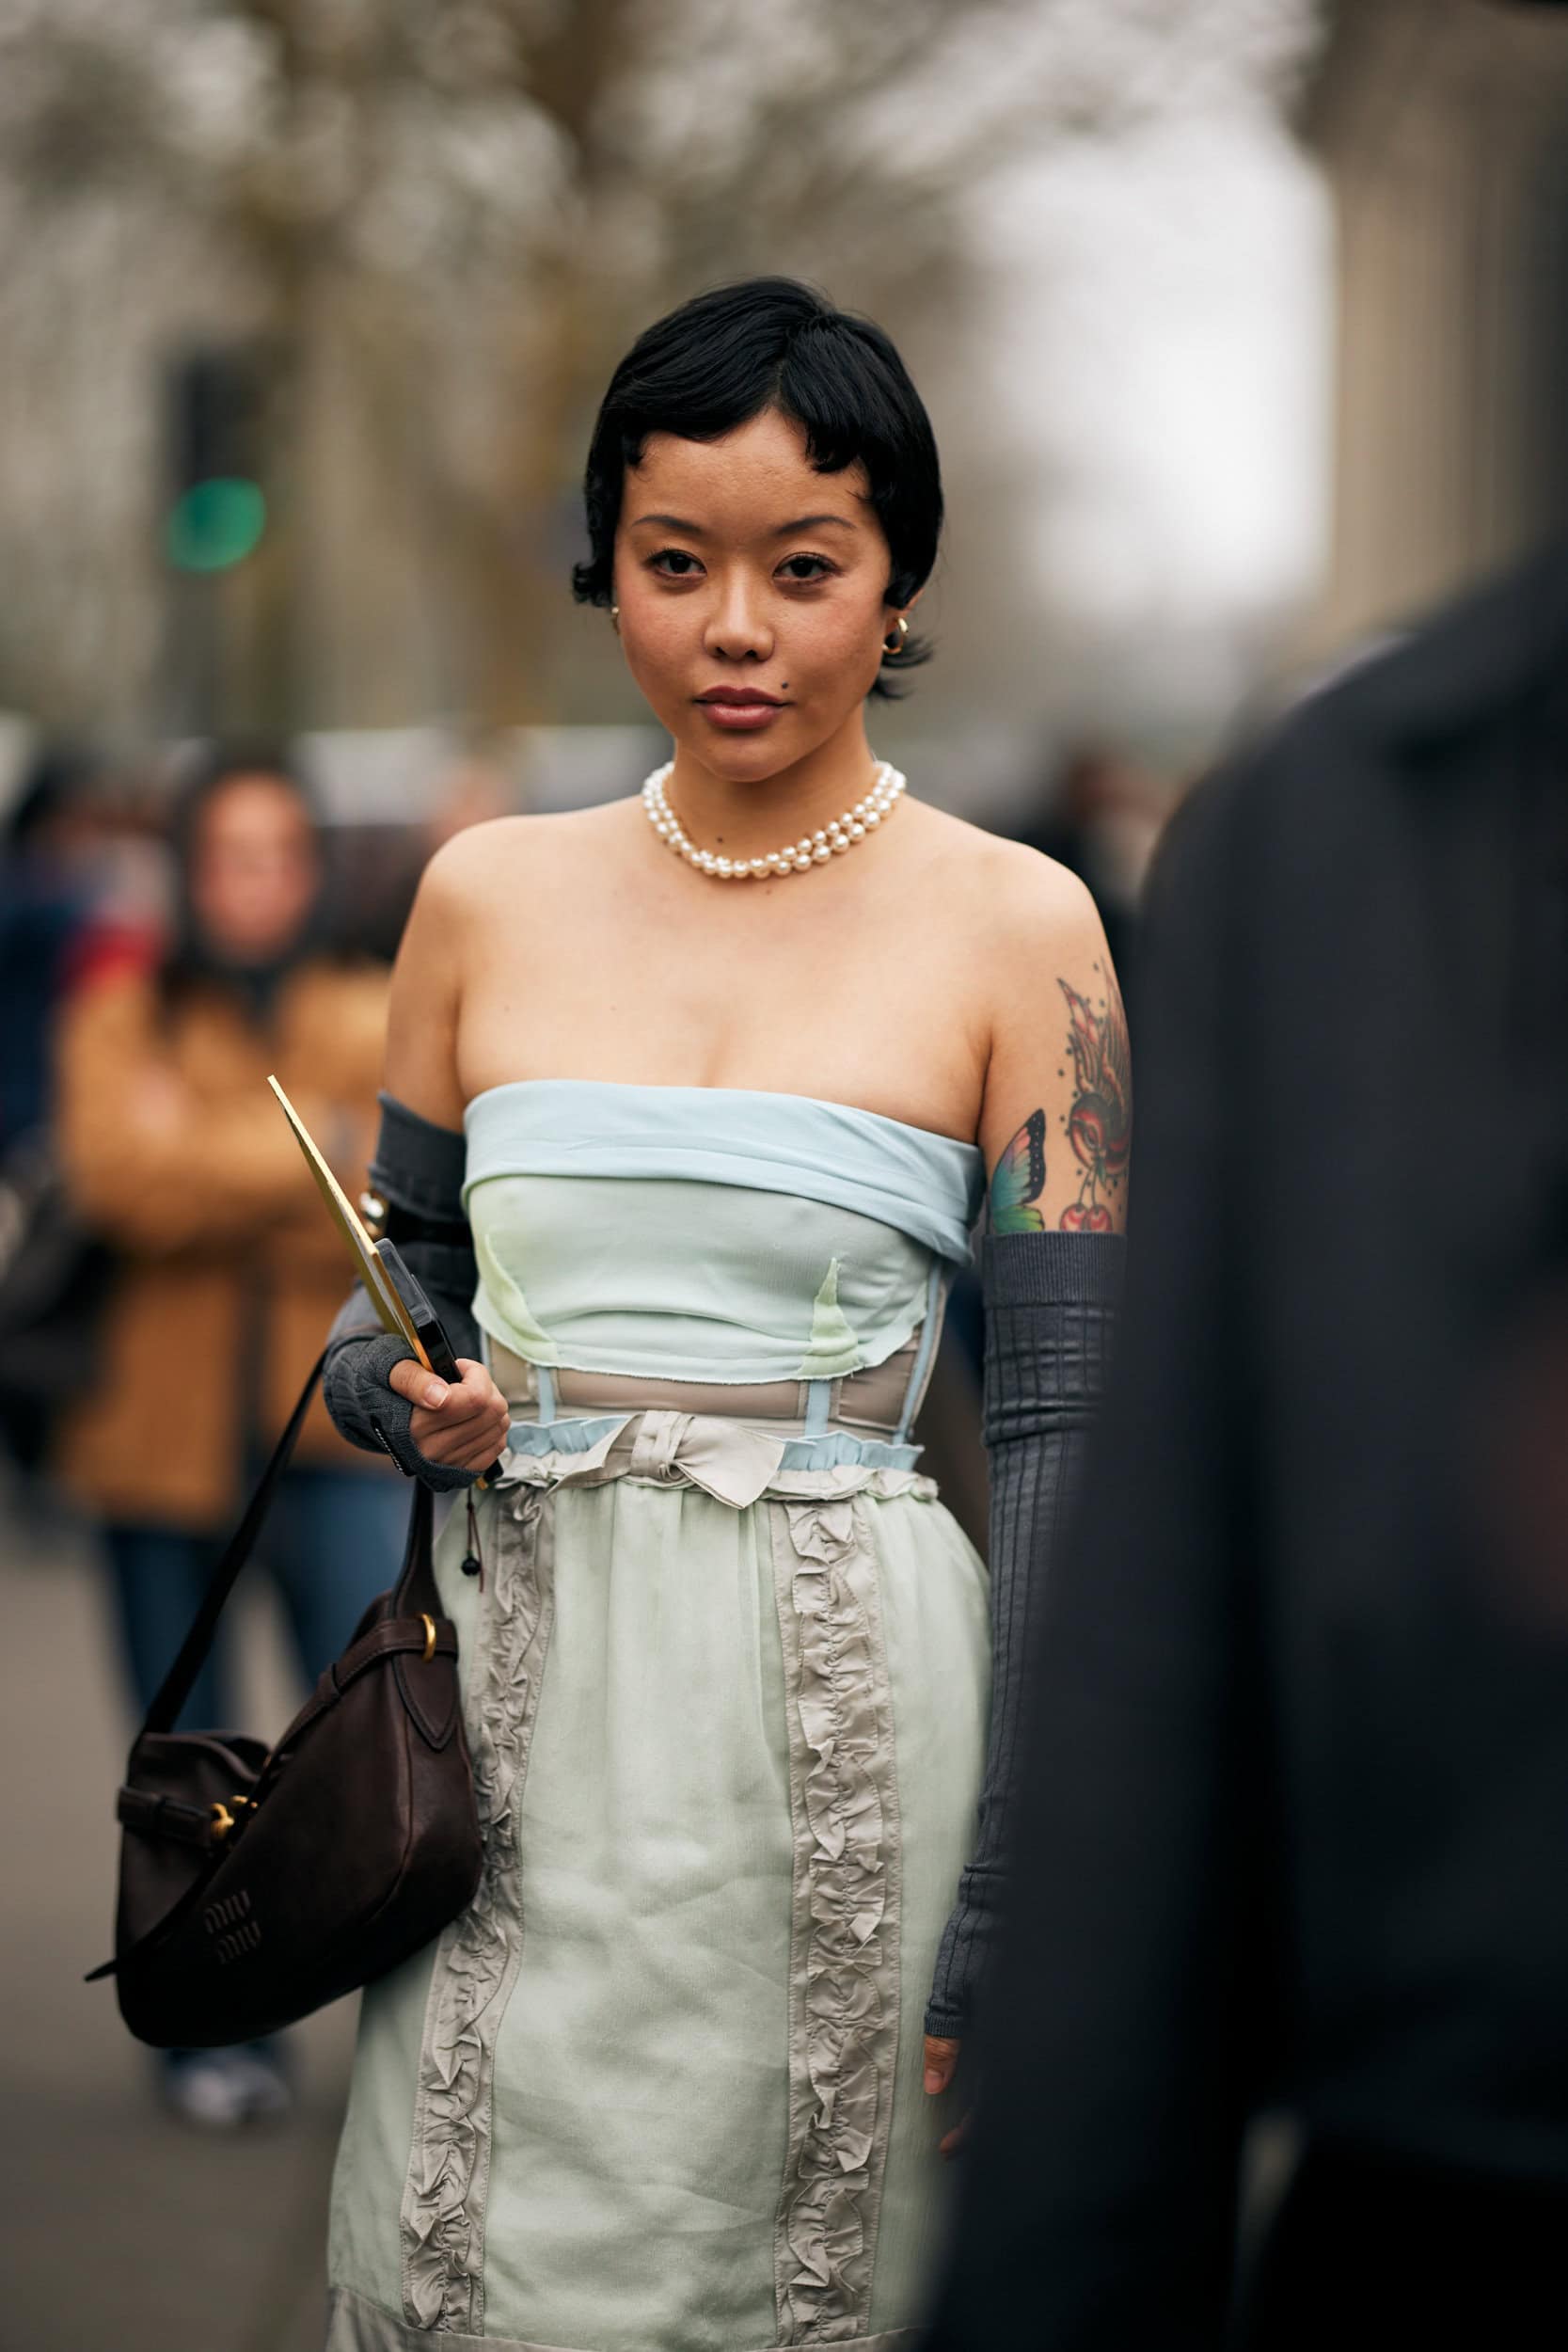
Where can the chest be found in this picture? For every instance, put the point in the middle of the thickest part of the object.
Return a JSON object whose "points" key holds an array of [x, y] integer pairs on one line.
{"points": [[808, 986]]}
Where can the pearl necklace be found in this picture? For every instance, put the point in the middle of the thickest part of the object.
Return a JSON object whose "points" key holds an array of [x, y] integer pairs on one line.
{"points": [[816, 848]]}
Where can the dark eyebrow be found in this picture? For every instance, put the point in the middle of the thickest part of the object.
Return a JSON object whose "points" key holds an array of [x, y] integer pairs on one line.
{"points": [[785, 530], [814, 522]]}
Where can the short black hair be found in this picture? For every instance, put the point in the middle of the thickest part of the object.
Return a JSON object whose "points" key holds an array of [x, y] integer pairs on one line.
{"points": [[771, 343]]}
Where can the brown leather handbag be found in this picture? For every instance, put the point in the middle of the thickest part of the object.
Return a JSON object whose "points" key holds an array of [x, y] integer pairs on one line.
{"points": [[256, 1884]]}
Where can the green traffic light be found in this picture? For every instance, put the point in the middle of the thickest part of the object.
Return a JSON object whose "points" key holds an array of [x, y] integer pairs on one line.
{"points": [[215, 524]]}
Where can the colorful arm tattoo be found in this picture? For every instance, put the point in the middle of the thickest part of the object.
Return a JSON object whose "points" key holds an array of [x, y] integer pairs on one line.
{"points": [[1019, 1180], [1100, 1125]]}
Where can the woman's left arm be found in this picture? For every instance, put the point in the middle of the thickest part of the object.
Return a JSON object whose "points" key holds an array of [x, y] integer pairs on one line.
{"points": [[1056, 1131]]}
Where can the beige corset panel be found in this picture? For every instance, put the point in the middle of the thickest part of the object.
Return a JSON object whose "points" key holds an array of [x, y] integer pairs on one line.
{"points": [[872, 1400]]}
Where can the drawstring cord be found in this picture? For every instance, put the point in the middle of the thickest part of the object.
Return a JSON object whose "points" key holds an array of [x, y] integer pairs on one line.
{"points": [[473, 1559]]}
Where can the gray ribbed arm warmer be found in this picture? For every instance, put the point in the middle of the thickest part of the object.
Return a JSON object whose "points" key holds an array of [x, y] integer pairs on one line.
{"points": [[1050, 1305], [416, 1169]]}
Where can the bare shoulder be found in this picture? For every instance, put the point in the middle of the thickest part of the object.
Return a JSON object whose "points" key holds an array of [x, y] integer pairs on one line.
{"points": [[487, 861], [1008, 897], [466, 883]]}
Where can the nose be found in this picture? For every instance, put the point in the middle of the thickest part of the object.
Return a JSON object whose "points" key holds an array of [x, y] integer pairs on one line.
{"points": [[738, 628]]}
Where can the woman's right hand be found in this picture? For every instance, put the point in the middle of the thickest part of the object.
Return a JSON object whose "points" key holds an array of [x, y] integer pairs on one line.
{"points": [[463, 1427]]}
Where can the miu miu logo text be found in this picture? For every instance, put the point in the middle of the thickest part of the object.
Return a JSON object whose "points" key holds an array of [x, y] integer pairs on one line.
{"points": [[232, 1927]]}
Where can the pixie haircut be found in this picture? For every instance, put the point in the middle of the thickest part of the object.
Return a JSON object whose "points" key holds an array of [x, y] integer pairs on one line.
{"points": [[769, 342]]}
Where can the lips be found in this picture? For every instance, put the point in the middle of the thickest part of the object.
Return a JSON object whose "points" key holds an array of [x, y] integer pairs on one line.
{"points": [[739, 710]]}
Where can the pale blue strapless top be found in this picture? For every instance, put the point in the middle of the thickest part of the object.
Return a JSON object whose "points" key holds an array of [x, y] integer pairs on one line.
{"points": [[707, 1234]]}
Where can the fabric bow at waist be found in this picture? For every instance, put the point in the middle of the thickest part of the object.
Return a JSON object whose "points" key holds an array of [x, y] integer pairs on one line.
{"points": [[732, 1460]]}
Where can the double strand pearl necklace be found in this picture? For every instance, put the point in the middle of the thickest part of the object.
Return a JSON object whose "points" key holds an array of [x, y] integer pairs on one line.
{"points": [[814, 848]]}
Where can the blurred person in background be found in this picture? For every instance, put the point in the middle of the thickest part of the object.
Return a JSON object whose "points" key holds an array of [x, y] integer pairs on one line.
{"points": [[1294, 1814], [51, 1273], [49, 885], [79, 894], [227, 1265], [696, 1140]]}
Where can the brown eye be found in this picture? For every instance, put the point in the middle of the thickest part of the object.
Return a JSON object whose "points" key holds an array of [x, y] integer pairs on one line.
{"points": [[675, 564], [805, 567]]}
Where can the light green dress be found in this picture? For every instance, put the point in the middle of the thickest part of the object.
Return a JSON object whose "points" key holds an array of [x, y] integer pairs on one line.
{"points": [[725, 1676]]}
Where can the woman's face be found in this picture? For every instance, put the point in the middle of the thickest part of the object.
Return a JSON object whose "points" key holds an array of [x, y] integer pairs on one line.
{"points": [[255, 869], [752, 595]]}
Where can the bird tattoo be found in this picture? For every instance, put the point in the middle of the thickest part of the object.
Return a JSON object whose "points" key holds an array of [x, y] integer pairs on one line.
{"points": [[1099, 1123]]}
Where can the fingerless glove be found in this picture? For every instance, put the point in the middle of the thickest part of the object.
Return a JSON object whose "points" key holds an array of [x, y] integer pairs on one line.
{"points": [[417, 1171]]}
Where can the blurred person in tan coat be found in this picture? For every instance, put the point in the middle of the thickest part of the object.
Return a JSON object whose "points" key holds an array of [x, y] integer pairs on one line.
{"points": [[230, 1268]]}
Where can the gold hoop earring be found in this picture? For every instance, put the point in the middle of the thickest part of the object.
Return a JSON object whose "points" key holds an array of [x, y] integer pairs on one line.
{"points": [[896, 639]]}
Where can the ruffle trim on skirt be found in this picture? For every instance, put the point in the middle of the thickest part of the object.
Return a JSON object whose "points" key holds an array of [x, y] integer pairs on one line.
{"points": [[355, 2324], [844, 1975], [445, 2195]]}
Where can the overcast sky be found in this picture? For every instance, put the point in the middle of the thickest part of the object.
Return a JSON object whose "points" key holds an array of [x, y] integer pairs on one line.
{"points": [[1161, 338]]}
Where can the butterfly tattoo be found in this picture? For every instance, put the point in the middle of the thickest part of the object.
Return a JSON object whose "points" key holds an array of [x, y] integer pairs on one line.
{"points": [[1019, 1180]]}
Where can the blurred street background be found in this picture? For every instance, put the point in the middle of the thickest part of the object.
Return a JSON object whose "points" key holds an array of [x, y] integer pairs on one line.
{"points": [[1243, 326], [126, 2230]]}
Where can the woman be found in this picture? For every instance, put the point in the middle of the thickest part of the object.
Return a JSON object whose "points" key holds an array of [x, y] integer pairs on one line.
{"points": [[717, 1120], [175, 1151]]}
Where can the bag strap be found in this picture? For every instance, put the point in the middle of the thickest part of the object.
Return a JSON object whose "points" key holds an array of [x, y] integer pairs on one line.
{"points": [[177, 1684], [415, 1592]]}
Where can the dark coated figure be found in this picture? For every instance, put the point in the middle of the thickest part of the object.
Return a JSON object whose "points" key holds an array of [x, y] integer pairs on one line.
{"points": [[1293, 1820]]}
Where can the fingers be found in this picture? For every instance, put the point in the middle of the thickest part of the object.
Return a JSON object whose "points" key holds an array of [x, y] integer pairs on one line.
{"points": [[411, 1379], [479, 1455], [463, 1424], [941, 2058], [475, 1398], [475, 1393], [473, 1444]]}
